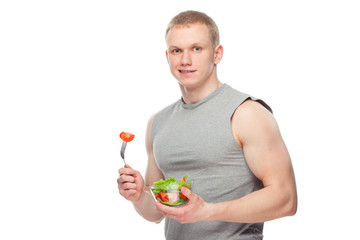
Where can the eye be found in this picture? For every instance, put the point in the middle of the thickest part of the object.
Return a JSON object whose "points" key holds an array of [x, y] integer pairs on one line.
{"points": [[197, 49], [176, 51]]}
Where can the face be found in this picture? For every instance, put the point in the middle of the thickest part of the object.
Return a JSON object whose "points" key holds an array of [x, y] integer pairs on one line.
{"points": [[191, 56]]}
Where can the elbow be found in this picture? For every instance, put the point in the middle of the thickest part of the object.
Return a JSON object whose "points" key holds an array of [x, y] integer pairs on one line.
{"points": [[287, 203], [291, 211], [290, 208], [156, 220]]}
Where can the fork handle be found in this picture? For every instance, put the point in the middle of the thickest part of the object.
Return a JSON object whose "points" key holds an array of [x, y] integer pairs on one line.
{"points": [[122, 151]]}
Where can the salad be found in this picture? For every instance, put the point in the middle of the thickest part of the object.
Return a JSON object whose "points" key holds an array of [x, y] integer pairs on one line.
{"points": [[168, 191]]}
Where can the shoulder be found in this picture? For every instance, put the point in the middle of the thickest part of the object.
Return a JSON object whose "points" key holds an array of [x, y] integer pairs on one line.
{"points": [[164, 112], [252, 120], [239, 97], [160, 118], [252, 109]]}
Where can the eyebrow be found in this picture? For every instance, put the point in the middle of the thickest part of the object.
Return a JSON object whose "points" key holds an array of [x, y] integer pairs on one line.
{"points": [[172, 46], [192, 45]]}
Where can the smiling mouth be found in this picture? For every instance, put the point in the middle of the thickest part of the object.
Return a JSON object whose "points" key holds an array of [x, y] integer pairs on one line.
{"points": [[187, 71]]}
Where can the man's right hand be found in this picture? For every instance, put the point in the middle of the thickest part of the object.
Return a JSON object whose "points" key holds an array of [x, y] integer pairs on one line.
{"points": [[130, 183]]}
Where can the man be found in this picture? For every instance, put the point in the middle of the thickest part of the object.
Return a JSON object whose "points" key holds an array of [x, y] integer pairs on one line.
{"points": [[226, 141]]}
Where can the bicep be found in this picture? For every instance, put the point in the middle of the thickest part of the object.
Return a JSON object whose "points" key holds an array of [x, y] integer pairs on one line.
{"points": [[264, 149], [269, 159], [153, 173]]}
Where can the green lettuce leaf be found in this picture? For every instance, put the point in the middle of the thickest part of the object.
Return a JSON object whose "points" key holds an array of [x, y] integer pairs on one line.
{"points": [[170, 185]]}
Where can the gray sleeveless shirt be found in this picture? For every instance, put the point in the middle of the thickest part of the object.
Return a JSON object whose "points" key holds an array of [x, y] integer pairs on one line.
{"points": [[197, 140]]}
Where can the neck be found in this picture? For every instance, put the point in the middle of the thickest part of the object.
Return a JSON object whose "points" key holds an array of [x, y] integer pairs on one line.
{"points": [[196, 94]]}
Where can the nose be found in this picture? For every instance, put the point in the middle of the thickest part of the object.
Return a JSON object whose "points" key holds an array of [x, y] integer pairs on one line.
{"points": [[186, 59]]}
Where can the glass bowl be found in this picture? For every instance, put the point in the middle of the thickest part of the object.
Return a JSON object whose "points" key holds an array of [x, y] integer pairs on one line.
{"points": [[171, 197]]}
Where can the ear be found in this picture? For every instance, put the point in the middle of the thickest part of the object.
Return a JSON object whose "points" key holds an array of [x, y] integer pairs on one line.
{"points": [[219, 51], [167, 56]]}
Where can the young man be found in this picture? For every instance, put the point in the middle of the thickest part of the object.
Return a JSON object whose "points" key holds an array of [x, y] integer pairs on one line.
{"points": [[226, 141]]}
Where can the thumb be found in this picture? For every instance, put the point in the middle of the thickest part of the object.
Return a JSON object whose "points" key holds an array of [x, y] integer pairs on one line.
{"points": [[187, 192]]}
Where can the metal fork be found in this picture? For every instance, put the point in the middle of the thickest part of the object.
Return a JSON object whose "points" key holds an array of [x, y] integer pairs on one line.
{"points": [[122, 151]]}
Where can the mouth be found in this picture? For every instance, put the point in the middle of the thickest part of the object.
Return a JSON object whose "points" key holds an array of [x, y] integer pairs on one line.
{"points": [[187, 71]]}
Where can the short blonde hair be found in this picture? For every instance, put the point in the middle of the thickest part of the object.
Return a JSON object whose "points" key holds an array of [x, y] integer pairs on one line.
{"points": [[191, 17]]}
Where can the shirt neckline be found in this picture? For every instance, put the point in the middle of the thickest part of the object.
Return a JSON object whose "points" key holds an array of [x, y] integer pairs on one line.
{"points": [[204, 100]]}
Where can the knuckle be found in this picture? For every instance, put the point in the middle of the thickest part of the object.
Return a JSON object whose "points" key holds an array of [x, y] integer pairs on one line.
{"points": [[122, 187], [129, 179], [122, 192], [121, 177], [131, 192], [126, 178]]}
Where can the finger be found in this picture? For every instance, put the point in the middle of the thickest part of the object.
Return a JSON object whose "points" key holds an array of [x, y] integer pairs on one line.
{"points": [[169, 215], [162, 213], [127, 171], [166, 210], [160, 207], [126, 178], [128, 186], [187, 192], [127, 193]]}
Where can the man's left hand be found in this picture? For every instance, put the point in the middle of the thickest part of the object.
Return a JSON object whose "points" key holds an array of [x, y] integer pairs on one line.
{"points": [[195, 210]]}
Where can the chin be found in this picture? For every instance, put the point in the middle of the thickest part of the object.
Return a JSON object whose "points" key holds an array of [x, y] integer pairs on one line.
{"points": [[188, 83]]}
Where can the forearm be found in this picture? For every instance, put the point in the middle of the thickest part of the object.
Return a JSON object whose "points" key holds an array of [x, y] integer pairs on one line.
{"points": [[145, 207], [263, 205]]}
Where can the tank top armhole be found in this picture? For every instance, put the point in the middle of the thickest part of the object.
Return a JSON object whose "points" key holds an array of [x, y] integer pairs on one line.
{"points": [[262, 103], [153, 129], [236, 105], [239, 98]]}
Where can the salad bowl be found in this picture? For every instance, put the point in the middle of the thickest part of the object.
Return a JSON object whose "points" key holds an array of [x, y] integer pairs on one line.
{"points": [[168, 192]]}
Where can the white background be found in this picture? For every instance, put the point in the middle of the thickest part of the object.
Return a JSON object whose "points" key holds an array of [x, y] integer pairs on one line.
{"points": [[74, 74]]}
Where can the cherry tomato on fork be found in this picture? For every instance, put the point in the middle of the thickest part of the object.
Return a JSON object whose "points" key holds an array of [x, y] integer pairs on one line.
{"points": [[127, 137]]}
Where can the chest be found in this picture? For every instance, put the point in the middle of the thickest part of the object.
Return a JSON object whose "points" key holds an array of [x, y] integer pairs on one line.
{"points": [[197, 142]]}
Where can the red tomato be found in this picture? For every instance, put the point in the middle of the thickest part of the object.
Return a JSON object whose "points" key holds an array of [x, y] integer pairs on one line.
{"points": [[169, 197], [157, 196], [127, 137], [164, 197], [182, 195]]}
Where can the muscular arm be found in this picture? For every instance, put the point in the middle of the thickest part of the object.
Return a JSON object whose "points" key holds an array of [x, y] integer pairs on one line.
{"points": [[257, 132]]}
